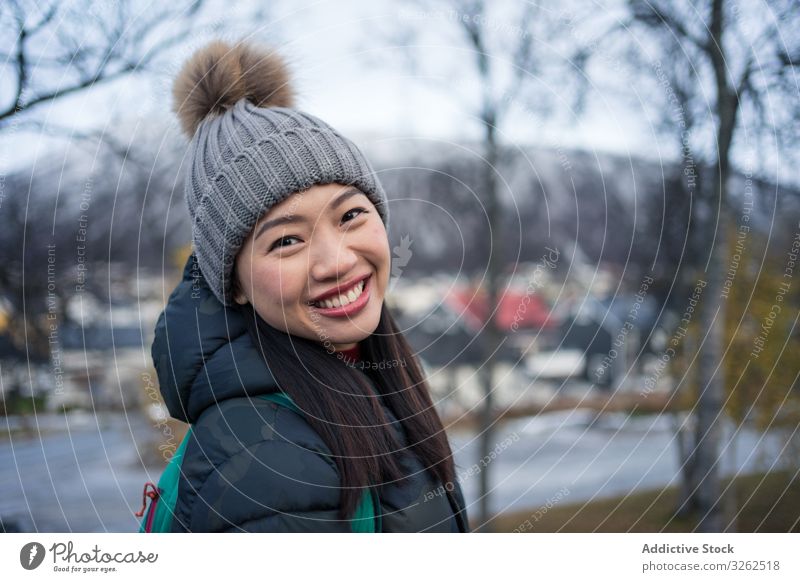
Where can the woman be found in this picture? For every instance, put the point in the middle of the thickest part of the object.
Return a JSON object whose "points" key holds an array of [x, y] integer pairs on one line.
{"points": [[284, 292]]}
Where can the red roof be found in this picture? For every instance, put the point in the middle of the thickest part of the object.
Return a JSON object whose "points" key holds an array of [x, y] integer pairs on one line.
{"points": [[528, 311]]}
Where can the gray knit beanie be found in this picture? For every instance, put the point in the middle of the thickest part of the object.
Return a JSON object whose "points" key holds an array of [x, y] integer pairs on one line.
{"points": [[250, 150]]}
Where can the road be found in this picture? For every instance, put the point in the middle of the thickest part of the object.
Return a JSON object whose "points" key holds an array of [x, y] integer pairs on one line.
{"points": [[85, 474]]}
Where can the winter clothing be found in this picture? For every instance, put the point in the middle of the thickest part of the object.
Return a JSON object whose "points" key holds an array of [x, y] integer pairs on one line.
{"points": [[248, 464], [251, 465], [351, 356], [249, 152]]}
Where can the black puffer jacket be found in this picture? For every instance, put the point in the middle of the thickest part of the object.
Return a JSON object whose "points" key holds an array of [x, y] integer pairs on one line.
{"points": [[250, 464]]}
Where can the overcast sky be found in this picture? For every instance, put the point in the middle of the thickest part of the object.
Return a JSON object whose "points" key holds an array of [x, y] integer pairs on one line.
{"points": [[346, 74]]}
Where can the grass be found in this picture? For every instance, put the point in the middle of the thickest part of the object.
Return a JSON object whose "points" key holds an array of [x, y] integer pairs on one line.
{"points": [[22, 405], [766, 503]]}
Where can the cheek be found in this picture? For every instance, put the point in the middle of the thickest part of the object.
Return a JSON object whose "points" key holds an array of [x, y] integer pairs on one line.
{"points": [[378, 241], [381, 254], [278, 286]]}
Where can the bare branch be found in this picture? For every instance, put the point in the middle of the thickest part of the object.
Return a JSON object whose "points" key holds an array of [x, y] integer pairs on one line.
{"points": [[475, 35], [120, 148], [650, 14], [116, 49], [45, 19], [96, 80], [523, 56]]}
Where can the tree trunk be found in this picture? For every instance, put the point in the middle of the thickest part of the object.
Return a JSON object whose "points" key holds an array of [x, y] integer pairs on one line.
{"points": [[491, 335], [711, 366], [684, 508], [705, 486], [730, 504]]}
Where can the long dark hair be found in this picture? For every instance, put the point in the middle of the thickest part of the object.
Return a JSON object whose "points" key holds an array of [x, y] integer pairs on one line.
{"points": [[338, 402]]}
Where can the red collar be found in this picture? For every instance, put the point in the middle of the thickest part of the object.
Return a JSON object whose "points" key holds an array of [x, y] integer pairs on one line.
{"points": [[353, 354]]}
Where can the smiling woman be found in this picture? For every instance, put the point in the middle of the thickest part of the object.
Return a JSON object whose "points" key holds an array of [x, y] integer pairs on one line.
{"points": [[321, 266], [290, 237]]}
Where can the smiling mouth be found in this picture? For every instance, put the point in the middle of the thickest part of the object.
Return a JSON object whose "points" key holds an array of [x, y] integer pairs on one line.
{"points": [[361, 291], [344, 299]]}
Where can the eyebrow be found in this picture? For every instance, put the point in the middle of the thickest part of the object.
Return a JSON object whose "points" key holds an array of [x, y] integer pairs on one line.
{"points": [[294, 218]]}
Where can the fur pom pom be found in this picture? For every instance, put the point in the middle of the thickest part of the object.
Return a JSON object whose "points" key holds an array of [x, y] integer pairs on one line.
{"points": [[219, 74]]}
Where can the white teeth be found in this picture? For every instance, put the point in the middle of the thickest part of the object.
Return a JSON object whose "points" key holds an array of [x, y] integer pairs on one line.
{"points": [[343, 300]]}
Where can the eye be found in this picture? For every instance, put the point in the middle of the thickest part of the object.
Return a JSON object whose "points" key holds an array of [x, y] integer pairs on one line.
{"points": [[278, 242], [359, 209]]}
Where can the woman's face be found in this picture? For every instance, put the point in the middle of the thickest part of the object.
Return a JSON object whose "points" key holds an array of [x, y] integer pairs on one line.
{"points": [[329, 243]]}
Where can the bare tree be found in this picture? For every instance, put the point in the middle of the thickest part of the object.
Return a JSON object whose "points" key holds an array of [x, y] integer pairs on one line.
{"points": [[51, 50], [54, 49], [738, 83], [504, 50]]}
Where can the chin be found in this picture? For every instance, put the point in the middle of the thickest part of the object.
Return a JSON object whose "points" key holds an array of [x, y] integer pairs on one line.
{"points": [[358, 334]]}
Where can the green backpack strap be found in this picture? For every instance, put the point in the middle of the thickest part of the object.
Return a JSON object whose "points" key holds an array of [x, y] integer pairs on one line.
{"points": [[158, 518], [164, 496], [367, 515], [282, 399]]}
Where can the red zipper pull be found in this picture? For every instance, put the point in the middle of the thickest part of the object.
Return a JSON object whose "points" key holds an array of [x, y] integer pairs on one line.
{"points": [[145, 494]]}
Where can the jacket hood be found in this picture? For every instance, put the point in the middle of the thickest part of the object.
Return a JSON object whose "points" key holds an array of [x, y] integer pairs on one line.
{"points": [[202, 351], [203, 355]]}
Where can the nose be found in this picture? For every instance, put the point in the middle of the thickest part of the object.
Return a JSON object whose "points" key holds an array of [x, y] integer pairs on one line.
{"points": [[331, 259]]}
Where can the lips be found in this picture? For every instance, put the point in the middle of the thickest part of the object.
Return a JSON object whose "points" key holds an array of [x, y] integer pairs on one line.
{"points": [[355, 305], [337, 291]]}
